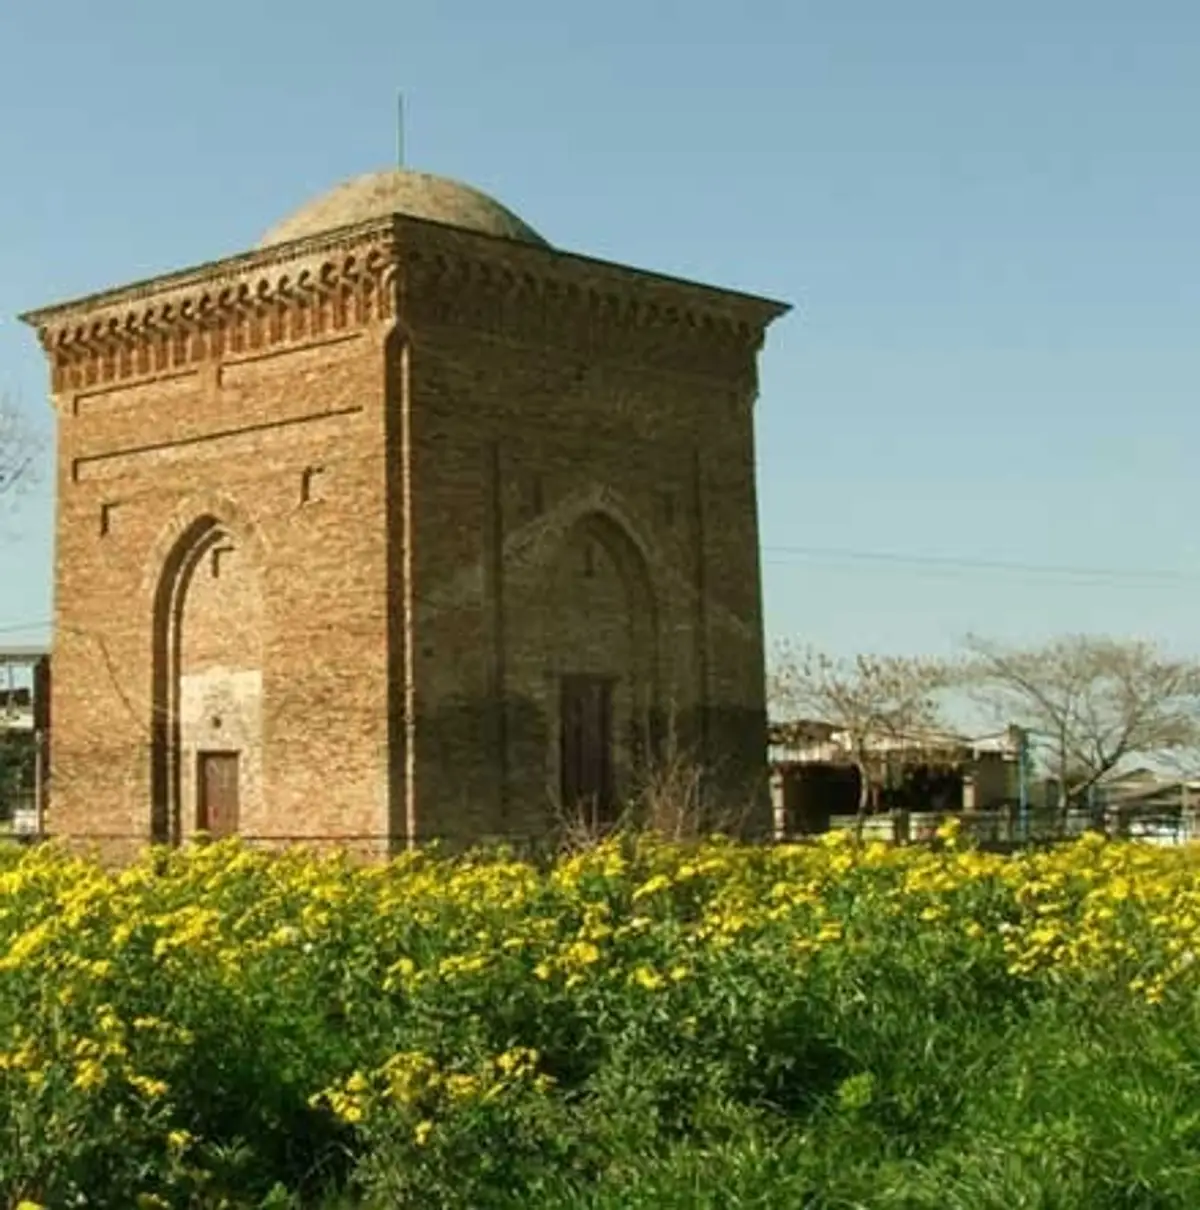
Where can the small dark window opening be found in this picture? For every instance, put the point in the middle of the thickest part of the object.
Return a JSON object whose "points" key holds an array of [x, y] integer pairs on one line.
{"points": [[310, 484], [218, 551]]}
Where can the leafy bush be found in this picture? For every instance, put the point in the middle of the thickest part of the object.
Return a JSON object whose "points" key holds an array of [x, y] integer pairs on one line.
{"points": [[641, 1024]]}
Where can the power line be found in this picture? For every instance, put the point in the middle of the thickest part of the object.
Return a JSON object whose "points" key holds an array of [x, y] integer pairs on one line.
{"points": [[967, 563], [19, 627], [901, 561]]}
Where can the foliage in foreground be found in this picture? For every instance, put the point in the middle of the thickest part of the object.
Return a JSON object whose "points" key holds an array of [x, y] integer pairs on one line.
{"points": [[642, 1025]]}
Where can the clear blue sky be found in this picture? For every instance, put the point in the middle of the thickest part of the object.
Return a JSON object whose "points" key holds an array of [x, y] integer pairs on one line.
{"points": [[986, 215]]}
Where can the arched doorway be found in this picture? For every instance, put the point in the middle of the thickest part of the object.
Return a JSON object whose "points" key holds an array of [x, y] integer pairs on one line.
{"points": [[601, 659], [206, 763]]}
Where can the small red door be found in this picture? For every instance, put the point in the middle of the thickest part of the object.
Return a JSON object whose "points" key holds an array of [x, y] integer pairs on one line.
{"points": [[217, 787]]}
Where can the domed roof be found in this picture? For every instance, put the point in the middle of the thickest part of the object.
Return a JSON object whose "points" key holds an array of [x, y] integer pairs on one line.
{"points": [[397, 191]]}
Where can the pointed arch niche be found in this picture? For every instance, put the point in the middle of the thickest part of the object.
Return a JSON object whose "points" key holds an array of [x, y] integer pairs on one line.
{"points": [[597, 628], [206, 770]]}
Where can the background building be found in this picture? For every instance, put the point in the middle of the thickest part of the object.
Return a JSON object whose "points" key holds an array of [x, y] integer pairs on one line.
{"points": [[815, 780], [24, 735]]}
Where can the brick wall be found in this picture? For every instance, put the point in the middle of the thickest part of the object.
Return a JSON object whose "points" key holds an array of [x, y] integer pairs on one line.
{"points": [[282, 656], [580, 505], [437, 472]]}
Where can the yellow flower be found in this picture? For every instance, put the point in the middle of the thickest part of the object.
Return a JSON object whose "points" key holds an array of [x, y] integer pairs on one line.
{"points": [[660, 882], [949, 831], [146, 1086], [344, 1106], [581, 953], [179, 1140], [90, 1074], [643, 976], [518, 1059], [460, 964], [460, 1086], [422, 1132]]}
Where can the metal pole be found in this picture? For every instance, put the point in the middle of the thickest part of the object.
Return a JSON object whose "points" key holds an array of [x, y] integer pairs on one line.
{"points": [[39, 782], [400, 129], [1023, 783]]}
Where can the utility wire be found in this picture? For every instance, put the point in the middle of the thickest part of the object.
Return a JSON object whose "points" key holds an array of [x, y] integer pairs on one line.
{"points": [[18, 627], [899, 561], [967, 563]]}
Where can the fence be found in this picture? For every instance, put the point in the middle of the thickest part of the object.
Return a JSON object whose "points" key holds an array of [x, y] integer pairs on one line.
{"points": [[18, 813], [1010, 828]]}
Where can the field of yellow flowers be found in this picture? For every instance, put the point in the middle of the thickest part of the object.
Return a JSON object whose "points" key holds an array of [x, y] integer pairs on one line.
{"points": [[638, 1025]]}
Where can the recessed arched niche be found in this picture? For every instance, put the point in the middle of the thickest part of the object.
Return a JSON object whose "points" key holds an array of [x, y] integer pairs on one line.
{"points": [[207, 701]]}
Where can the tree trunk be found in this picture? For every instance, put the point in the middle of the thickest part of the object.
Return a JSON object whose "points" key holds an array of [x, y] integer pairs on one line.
{"points": [[865, 789]]}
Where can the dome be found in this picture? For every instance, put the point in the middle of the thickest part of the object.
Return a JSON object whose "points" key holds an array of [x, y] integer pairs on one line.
{"points": [[397, 191]]}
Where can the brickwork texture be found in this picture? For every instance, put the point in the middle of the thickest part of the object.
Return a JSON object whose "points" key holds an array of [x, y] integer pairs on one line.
{"points": [[352, 505]]}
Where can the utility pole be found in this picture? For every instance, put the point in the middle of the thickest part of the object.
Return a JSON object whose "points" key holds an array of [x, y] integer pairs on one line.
{"points": [[1021, 737], [1024, 784]]}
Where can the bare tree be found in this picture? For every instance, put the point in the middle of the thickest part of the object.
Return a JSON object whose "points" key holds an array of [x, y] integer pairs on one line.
{"points": [[669, 795], [20, 448], [873, 700], [1094, 703]]}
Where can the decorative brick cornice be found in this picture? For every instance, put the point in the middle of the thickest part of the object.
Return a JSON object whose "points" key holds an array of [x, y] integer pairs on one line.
{"points": [[592, 308], [246, 304], [346, 279]]}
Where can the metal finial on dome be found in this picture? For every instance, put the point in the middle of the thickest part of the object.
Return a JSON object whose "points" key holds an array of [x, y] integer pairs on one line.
{"points": [[400, 129]]}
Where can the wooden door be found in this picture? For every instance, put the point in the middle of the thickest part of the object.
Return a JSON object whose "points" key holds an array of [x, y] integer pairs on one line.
{"points": [[217, 788], [586, 746]]}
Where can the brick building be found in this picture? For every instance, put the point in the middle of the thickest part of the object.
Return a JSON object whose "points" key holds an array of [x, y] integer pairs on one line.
{"points": [[403, 524]]}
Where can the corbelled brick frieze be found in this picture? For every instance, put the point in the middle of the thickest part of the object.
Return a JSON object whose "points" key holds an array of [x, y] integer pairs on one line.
{"points": [[248, 304], [304, 292]]}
